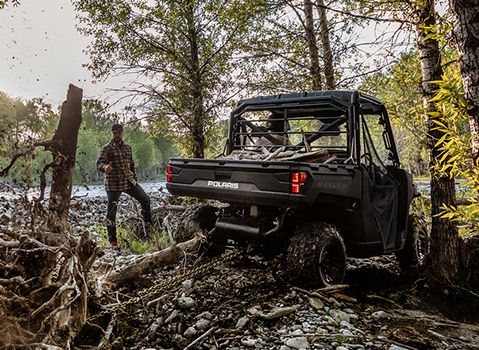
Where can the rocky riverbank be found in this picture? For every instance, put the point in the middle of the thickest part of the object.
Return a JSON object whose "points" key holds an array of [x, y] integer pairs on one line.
{"points": [[248, 303]]}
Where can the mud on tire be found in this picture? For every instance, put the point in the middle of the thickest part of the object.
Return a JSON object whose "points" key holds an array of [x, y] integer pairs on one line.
{"points": [[316, 255]]}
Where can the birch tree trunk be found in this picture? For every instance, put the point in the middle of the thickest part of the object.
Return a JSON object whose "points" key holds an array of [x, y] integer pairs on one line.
{"points": [[314, 69], [326, 46], [444, 235], [63, 147], [466, 37]]}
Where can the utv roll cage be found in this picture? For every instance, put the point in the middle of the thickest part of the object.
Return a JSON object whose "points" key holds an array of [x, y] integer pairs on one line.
{"points": [[333, 108]]}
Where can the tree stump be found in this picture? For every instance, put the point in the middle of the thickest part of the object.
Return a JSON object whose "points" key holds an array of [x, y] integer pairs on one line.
{"points": [[63, 147]]}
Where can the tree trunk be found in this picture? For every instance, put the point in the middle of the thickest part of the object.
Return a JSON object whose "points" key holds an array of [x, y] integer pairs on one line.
{"points": [[63, 147], [314, 69], [326, 45], [444, 234], [197, 127], [466, 35]]}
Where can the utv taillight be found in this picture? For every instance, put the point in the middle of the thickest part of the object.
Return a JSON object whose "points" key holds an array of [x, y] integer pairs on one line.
{"points": [[168, 173], [297, 180]]}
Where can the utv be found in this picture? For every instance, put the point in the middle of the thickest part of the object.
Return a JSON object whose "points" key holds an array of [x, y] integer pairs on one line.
{"points": [[338, 191]]}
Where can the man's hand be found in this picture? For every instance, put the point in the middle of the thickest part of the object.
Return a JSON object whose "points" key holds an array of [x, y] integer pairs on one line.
{"points": [[108, 168]]}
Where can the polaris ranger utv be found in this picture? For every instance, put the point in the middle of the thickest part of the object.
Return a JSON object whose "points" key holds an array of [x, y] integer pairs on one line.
{"points": [[340, 192]]}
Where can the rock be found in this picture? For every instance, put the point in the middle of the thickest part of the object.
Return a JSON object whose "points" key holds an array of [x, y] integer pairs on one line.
{"points": [[379, 315], [339, 315], [316, 303], [242, 322], [353, 317], [276, 312], [185, 302], [202, 324], [187, 285], [249, 342], [153, 330], [284, 347], [320, 330], [349, 311], [344, 324], [190, 332], [179, 340], [298, 343], [172, 316], [346, 332], [206, 314], [395, 347], [341, 348]]}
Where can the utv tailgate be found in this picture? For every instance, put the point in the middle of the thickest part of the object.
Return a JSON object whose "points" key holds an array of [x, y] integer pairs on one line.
{"points": [[253, 182]]}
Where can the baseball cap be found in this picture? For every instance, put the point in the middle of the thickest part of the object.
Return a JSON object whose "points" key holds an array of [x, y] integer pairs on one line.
{"points": [[117, 127]]}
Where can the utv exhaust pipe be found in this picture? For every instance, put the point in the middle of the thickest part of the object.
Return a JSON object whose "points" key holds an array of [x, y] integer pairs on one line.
{"points": [[245, 229]]}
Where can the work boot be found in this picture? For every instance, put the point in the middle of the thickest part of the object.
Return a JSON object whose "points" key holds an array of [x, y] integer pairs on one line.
{"points": [[111, 233], [114, 245]]}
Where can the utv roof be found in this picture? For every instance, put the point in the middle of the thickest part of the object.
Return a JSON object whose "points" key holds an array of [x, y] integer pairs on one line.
{"points": [[341, 98]]}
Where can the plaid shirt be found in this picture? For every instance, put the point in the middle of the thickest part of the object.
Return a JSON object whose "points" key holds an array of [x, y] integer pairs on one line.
{"points": [[122, 175]]}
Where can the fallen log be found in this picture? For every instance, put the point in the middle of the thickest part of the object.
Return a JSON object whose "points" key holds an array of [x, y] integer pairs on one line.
{"points": [[149, 262]]}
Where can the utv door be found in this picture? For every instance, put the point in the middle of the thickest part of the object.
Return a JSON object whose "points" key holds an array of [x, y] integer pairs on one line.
{"points": [[382, 185]]}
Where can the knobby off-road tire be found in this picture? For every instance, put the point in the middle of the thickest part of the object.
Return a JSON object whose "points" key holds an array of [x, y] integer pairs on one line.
{"points": [[411, 257], [316, 255]]}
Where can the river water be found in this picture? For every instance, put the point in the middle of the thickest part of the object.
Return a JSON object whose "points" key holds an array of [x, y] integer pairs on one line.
{"points": [[92, 191], [89, 191]]}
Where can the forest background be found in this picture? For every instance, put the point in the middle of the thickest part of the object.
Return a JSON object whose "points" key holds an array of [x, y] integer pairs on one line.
{"points": [[269, 47], [190, 61]]}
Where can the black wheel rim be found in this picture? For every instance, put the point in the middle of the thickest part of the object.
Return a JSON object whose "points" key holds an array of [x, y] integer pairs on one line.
{"points": [[331, 262]]}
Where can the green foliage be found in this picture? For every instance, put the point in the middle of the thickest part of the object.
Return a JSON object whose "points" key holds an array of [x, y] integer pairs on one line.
{"points": [[455, 159], [279, 54], [27, 122], [158, 240], [185, 48], [150, 151], [400, 89], [23, 124]]}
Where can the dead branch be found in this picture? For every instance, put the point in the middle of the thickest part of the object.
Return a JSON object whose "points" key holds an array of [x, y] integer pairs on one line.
{"points": [[9, 244], [333, 289], [13, 280], [105, 340], [201, 337], [29, 150]]}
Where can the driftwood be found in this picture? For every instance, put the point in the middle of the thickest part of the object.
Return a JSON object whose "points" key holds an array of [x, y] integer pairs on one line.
{"points": [[148, 262]]}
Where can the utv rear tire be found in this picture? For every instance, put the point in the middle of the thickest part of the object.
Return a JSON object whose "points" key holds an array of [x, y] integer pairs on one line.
{"points": [[411, 257], [316, 255]]}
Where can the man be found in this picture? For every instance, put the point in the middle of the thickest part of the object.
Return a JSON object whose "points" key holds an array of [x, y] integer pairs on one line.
{"points": [[116, 161]]}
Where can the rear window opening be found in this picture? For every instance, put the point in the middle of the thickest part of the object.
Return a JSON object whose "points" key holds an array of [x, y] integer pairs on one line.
{"points": [[318, 134]]}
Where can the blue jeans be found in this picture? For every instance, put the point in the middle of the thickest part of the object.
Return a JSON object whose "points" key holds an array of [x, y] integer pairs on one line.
{"points": [[136, 192]]}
